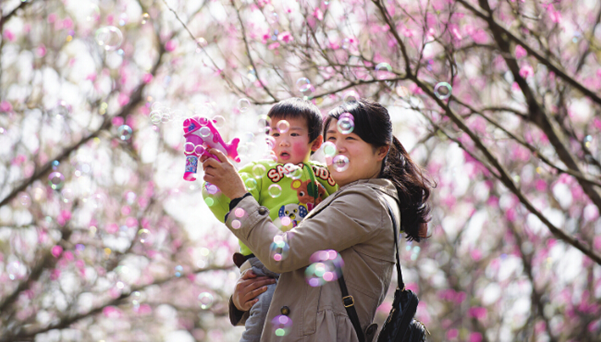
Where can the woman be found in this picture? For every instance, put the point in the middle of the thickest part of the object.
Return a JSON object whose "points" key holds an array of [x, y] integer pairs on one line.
{"points": [[353, 221]]}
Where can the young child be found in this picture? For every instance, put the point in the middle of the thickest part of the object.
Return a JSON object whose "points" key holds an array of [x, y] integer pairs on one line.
{"points": [[289, 188]]}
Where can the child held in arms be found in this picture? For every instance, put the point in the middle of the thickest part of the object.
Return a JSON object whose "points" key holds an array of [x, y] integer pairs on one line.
{"points": [[288, 188]]}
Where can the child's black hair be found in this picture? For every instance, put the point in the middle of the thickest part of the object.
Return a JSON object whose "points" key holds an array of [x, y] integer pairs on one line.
{"points": [[297, 108]]}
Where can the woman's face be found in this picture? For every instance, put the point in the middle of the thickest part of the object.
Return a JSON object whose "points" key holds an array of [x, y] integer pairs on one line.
{"points": [[365, 161]]}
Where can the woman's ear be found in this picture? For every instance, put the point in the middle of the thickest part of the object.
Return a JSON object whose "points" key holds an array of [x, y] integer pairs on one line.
{"points": [[383, 152], [316, 144]]}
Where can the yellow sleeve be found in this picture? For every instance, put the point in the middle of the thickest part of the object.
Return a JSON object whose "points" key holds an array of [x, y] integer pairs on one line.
{"points": [[220, 204]]}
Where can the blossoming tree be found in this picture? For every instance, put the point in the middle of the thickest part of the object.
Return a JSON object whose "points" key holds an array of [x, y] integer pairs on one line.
{"points": [[101, 239]]}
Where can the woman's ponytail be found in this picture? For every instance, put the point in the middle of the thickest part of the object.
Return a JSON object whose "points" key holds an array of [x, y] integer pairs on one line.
{"points": [[413, 190]]}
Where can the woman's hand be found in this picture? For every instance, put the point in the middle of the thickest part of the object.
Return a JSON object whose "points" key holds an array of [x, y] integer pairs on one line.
{"points": [[248, 287], [222, 174]]}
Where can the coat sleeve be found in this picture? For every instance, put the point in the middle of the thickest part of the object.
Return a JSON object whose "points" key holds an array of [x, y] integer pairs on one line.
{"points": [[349, 219]]}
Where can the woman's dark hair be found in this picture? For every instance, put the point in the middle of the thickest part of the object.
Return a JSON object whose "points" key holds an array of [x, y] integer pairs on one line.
{"points": [[373, 125], [298, 108]]}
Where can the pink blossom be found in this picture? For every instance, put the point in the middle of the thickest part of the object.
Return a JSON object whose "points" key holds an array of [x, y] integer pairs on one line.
{"points": [[407, 32], [56, 251], [541, 185], [9, 35], [55, 274], [526, 71], [274, 45], [170, 45], [477, 312], [520, 52], [68, 255], [63, 217], [286, 37], [67, 23], [6, 107], [51, 18], [131, 222], [555, 15], [452, 334], [112, 228], [112, 312], [41, 50], [123, 99], [476, 254], [147, 78], [475, 337], [318, 14], [117, 121]]}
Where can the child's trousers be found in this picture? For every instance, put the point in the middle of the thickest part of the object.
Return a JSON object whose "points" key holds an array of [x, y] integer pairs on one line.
{"points": [[256, 320]]}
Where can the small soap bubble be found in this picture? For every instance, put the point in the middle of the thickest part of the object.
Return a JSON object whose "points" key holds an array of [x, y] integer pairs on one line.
{"points": [[109, 37], [285, 221], [326, 267], [92, 11], [346, 123], [264, 121], [55, 164], [443, 90], [144, 235], [279, 248], [282, 325], [270, 141], [283, 126], [199, 150], [209, 201], [402, 91], [67, 195], [350, 96], [251, 184], [274, 190], [212, 189], [56, 180], [124, 132], [123, 18], [130, 197], [243, 105], [24, 199], [204, 131], [303, 84], [145, 18], [341, 163], [156, 117], [205, 300], [236, 224], [293, 171], [15, 270], [329, 149], [178, 271], [259, 171], [219, 121], [189, 147], [239, 212], [383, 70]]}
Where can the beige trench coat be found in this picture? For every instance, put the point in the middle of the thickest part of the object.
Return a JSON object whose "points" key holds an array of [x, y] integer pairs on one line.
{"points": [[353, 221]]}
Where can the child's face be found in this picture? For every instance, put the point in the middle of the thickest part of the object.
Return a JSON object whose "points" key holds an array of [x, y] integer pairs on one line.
{"points": [[292, 146]]}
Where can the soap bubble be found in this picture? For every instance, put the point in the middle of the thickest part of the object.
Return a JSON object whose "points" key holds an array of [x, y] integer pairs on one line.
{"points": [[218, 121], [329, 149], [283, 126], [145, 18], [243, 105], [92, 11], [274, 190], [282, 325], [109, 37], [178, 271], [303, 84], [212, 189], [279, 248], [259, 171], [341, 163], [443, 90], [346, 123], [402, 91], [383, 70], [264, 121], [56, 180], [270, 141], [326, 267], [124, 132], [293, 171], [205, 300], [350, 96], [251, 184], [16, 270], [204, 131], [144, 236]]}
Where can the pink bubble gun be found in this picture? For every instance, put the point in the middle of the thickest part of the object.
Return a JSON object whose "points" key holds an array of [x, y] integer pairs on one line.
{"points": [[201, 136]]}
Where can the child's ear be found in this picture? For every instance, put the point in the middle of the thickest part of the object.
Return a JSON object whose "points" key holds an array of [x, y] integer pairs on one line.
{"points": [[316, 144]]}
